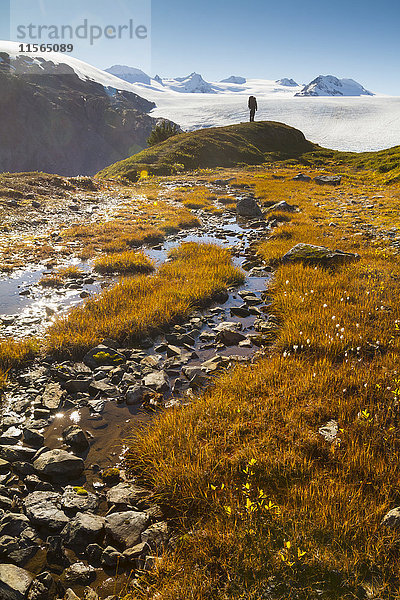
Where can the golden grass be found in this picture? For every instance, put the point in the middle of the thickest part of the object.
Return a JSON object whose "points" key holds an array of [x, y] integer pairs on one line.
{"points": [[14, 353], [58, 276], [137, 222], [265, 505], [138, 306], [124, 262]]}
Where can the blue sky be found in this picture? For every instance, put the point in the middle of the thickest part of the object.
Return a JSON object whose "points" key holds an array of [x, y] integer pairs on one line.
{"points": [[260, 38]]}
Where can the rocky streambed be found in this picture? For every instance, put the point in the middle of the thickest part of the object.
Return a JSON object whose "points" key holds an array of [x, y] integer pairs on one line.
{"points": [[71, 518]]}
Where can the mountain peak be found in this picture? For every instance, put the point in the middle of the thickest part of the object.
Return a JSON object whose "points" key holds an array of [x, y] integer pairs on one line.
{"points": [[329, 85]]}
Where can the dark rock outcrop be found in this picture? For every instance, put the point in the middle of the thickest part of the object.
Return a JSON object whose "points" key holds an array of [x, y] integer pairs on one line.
{"points": [[53, 121]]}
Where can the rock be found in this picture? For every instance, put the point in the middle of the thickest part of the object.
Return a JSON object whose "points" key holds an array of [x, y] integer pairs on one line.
{"points": [[74, 386], [52, 396], [94, 552], [318, 255], [173, 351], [14, 582], [301, 177], [127, 495], [125, 528], [17, 453], [83, 529], [79, 574], [19, 550], [14, 525], [75, 438], [111, 476], [70, 595], [43, 588], [283, 207], [55, 551], [329, 431], [135, 395], [44, 508], [33, 438], [104, 388], [138, 551], [59, 464], [111, 557], [157, 381], [248, 207], [328, 180], [103, 355], [229, 334], [212, 364], [392, 518], [78, 499], [157, 535], [240, 311]]}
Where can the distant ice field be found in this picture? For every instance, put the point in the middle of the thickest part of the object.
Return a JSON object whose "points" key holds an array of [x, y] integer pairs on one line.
{"points": [[356, 124]]}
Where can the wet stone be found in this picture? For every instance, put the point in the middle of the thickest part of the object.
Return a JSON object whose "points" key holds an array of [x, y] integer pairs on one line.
{"points": [[125, 528], [76, 498], [59, 464], [44, 508]]}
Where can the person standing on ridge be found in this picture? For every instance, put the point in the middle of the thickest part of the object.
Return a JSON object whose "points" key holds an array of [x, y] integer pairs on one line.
{"points": [[253, 107]]}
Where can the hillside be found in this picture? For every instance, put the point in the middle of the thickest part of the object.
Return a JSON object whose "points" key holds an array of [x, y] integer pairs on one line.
{"points": [[66, 117], [215, 147]]}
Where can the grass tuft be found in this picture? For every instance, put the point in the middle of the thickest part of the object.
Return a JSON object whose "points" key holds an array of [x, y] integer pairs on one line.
{"points": [[124, 262]]}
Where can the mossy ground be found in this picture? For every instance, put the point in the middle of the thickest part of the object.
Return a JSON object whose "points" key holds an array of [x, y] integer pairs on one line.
{"points": [[265, 505]]}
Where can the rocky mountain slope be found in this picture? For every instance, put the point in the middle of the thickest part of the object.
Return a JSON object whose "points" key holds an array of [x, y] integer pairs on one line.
{"points": [[59, 121]]}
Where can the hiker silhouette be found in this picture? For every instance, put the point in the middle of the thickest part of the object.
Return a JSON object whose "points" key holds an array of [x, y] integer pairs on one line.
{"points": [[253, 107]]}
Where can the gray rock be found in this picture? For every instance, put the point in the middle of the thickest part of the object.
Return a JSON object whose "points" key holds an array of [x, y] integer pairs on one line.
{"points": [[125, 528], [78, 499], [17, 453], [33, 438], [392, 518], [301, 177], [157, 535], [329, 431], [13, 525], [75, 438], [104, 388], [43, 588], [14, 582], [52, 396], [158, 382], [44, 508], [127, 494], [111, 557], [74, 386], [328, 180], [318, 255], [70, 595], [248, 207], [59, 464], [229, 335], [135, 395], [79, 574], [83, 529], [103, 355], [19, 550], [282, 207]]}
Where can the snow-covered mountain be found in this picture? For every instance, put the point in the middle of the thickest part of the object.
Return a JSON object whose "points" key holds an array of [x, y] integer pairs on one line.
{"points": [[129, 74], [234, 79], [328, 85], [287, 82], [192, 84]]}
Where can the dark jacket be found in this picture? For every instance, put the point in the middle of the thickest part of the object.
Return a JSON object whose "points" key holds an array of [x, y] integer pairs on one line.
{"points": [[253, 103]]}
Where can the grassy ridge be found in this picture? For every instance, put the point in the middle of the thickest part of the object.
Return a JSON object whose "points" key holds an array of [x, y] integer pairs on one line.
{"points": [[135, 307], [214, 147], [267, 507]]}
